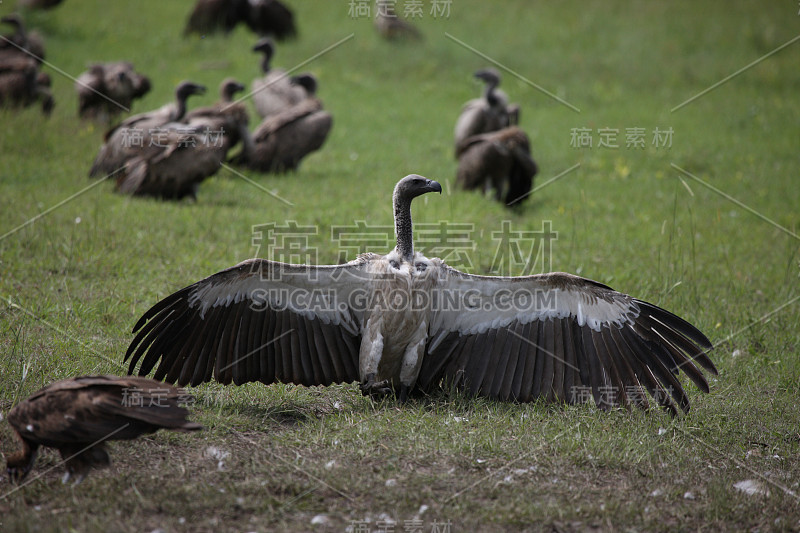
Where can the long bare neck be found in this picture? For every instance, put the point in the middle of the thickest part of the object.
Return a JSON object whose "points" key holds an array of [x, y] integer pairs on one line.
{"points": [[489, 93], [265, 67], [403, 227]]}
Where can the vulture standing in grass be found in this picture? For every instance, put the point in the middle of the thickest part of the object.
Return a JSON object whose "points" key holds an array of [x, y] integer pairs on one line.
{"points": [[284, 139], [390, 26], [22, 40], [274, 92], [126, 140], [107, 89], [501, 161], [22, 83], [488, 113], [78, 415], [264, 17], [401, 322], [227, 119]]}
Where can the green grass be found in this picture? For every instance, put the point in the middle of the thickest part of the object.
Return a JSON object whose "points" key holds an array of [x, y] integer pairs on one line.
{"points": [[74, 282]]}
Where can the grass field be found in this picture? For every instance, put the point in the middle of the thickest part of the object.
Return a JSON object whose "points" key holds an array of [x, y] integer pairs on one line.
{"points": [[705, 225]]}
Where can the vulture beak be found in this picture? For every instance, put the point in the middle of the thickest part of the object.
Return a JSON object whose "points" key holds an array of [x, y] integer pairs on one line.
{"points": [[433, 186]]}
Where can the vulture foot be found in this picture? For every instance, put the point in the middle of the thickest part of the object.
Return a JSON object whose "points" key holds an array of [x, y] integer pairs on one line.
{"points": [[375, 389]]}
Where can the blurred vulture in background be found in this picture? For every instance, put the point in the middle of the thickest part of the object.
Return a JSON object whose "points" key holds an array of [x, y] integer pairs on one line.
{"points": [[264, 17], [501, 161], [282, 140], [490, 112], [173, 167], [77, 416], [21, 40], [390, 26], [274, 92], [107, 89], [21, 82], [126, 140], [39, 4], [226, 118]]}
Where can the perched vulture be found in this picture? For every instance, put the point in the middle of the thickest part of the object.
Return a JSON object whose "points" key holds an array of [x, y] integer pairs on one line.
{"points": [[390, 26], [226, 118], [22, 40], [274, 92], [264, 17], [489, 113], [126, 140], [78, 415], [22, 83], [401, 322], [283, 140], [500, 160]]}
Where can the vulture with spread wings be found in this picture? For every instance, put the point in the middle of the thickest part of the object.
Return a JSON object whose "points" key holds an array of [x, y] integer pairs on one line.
{"points": [[78, 415], [403, 322]]}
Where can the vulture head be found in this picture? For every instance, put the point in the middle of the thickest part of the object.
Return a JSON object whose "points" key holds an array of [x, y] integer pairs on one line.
{"points": [[229, 88], [414, 185], [186, 89], [18, 465], [266, 47], [306, 81], [488, 75]]}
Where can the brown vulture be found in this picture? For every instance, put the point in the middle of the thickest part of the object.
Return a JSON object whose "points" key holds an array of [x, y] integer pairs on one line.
{"points": [[390, 26], [501, 161], [274, 92], [108, 89], [264, 17], [128, 139], [488, 113], [77, 416], [281, 141], [403, 322]]}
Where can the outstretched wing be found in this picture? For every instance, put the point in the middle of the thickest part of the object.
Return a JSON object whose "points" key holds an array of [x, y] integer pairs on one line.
{"points": [[559, 337], [258, 321]]}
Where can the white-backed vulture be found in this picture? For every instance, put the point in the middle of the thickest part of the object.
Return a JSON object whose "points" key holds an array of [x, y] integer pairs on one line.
{"points": [[78, 415], [390, 26], [281, 141], [500, 160], [226, 118], [107, 89], [127, 139], [22, 83], [488, 113], [264, 17], [274, 92], [400, 322]]}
